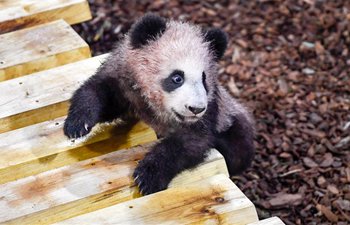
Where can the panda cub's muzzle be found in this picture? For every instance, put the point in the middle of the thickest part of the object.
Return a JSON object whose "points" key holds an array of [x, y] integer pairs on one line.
{"points": [[193, 114]]}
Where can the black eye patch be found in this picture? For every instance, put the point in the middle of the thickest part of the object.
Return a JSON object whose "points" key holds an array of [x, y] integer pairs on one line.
{"points": [[204, 78], [173, 81]]}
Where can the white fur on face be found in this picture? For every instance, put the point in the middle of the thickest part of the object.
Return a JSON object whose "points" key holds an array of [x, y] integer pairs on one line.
{"points": [[191, 94]]}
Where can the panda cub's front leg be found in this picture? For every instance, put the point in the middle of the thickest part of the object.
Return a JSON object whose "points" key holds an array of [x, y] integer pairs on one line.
{"points": [[168, 158], [97, 100]]}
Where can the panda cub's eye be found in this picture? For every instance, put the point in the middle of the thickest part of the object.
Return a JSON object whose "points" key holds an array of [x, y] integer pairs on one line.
{"points": [[177, 79]]}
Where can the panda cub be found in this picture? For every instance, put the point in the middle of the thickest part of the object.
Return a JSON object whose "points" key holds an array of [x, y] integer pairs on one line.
{"points": [[165, 73]]}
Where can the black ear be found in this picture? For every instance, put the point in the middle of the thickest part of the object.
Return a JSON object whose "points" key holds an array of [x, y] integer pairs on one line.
{"points": [[146, 29], [218, 41]]}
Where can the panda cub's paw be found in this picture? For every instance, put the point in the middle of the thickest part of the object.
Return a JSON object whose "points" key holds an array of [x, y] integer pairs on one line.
{"points": [[77, 126], [150, 177]]}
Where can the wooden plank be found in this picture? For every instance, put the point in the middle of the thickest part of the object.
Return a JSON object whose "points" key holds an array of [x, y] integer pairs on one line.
{"points": [[24, 102], [43, 146], [84, 187], [12, 3], [18, 14], [215, 200], [9, 13], [39, 48], [269, 221]]}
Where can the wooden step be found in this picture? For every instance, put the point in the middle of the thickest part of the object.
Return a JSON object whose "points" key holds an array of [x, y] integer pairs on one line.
{"points": [[42, 96], [39, 48], [41, 147], [215, 200], [269, 221], [17, 14], [93, 184]]}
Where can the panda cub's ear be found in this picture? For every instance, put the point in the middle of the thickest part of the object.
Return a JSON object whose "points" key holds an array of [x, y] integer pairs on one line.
{"points": [[146, 29], [218, 41]]}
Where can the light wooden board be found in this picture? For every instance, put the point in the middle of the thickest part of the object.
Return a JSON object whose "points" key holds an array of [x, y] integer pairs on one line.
{"points": [[39, 48], [41, 147], [17, 14], [86, 186], [269, 221], [44, 95], [215, 200]]}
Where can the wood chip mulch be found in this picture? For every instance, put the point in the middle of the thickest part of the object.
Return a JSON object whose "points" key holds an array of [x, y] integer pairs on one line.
{"points": [[289, 61]]}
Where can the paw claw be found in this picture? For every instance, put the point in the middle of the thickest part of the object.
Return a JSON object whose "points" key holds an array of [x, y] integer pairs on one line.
{"points": [[86, 126], [135, 178], [77, 126], [150, 178]]}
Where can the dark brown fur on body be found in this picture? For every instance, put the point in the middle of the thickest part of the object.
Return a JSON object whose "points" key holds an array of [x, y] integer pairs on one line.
{"points": [[122, 86]]}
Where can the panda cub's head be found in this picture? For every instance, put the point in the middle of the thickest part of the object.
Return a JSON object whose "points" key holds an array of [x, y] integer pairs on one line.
{"points": [[174, 64]]}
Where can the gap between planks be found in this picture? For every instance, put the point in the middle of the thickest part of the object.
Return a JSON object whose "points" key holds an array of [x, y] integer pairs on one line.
{"points": [[18, 14], [86, 186], [39, 48], [214, 200], [23, 102]]}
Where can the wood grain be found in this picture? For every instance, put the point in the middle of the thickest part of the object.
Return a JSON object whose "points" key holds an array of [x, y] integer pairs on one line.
{"points": [[84, 187], [269, 221], [39, 48], [215, 200], [19, 14], [41, 147], [23, 102]]}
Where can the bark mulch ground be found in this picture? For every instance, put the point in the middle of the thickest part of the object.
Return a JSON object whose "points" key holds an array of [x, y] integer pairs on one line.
{"points": [[289, 61]]}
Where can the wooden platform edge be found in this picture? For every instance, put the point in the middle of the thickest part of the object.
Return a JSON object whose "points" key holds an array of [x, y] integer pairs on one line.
{"points": [[269, 221], [85, 187], [72, 11], [214, 200]]}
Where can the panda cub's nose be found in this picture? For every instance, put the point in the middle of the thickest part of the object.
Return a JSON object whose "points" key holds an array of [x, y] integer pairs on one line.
{"points": [[196, 110]]}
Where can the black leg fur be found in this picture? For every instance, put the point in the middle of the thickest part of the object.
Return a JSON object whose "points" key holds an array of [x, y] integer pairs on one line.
{"points": [[97, 100], [236, 145], [167, 159], [182, 150]]}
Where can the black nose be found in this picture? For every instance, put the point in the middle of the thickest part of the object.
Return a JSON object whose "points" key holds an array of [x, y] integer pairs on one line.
{"points": [[196, 110]]}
